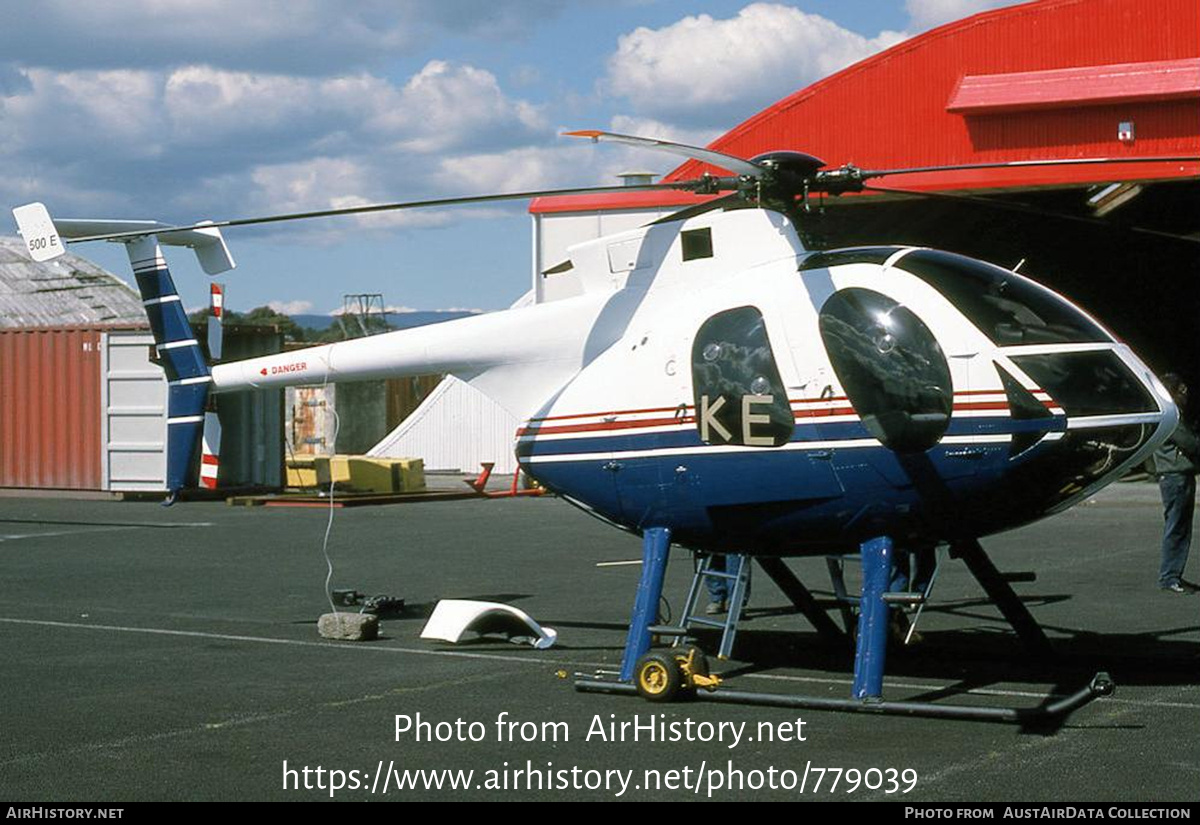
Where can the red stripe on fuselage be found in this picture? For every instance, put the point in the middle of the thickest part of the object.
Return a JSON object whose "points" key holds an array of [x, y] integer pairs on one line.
{"points": [[534, 425], [614, 412]]}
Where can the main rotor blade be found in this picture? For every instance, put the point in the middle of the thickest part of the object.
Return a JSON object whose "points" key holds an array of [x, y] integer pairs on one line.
{"points": [[388, 207], [739, 166], [912, 170], [1029, 209]]}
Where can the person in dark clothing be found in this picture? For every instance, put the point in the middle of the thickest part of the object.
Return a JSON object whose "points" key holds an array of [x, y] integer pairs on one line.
{"points": [[719, 589], [1175, 464]]}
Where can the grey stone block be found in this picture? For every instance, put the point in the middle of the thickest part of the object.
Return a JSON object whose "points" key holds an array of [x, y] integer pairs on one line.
{"points": [[350, 627]]}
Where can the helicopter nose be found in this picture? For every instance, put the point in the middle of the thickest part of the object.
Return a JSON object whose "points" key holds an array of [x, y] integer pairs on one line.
{"points": [[1114, 413], [1095, 386]]}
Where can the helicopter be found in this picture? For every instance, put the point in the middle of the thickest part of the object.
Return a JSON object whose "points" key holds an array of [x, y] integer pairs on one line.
{"points": [[720, 385]]}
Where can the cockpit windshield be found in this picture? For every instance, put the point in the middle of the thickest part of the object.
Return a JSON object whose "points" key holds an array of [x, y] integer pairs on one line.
{"points": [[1008, 308]]}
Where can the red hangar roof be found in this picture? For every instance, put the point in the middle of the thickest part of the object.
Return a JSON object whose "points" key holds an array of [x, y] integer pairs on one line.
{"points": [[1049, 79]]}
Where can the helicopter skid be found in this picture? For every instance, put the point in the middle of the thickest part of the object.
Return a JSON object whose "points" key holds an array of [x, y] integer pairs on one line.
{"points": [[1100, 685]]}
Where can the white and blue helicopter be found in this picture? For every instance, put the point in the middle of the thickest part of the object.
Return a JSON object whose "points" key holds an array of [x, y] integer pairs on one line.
{"points": [[720, 386]]}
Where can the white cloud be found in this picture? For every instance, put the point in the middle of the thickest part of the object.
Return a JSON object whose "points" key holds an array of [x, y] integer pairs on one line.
{"points": [[445, 106], [925, 14], [516, 170], [704, 71], [115, 113], [207, 105], [200, 140], [291, 307], [333, 183], [442, 107]]}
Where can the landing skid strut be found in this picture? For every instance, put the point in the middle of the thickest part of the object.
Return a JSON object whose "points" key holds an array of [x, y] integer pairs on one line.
{"points": [[1101, 685], [651, 674]]}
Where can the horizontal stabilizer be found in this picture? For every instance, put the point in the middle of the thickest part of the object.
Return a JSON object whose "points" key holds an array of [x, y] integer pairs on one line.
{"points": [[40, 234], [206, 242], [45, 237]]}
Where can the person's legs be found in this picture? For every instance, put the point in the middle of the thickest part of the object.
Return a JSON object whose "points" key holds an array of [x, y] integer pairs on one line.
{"points": [[718, 588], [1179, 501]]}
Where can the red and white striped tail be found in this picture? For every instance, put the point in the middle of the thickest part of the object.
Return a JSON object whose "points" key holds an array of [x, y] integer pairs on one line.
{"points": [[217, 317], [210, 452]]}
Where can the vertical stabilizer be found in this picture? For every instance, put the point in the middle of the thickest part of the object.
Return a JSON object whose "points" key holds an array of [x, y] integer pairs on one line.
{"points": [[178, 352]]}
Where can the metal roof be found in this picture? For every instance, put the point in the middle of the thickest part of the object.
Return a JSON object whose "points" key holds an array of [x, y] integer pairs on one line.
{"points": [[68, 291]]}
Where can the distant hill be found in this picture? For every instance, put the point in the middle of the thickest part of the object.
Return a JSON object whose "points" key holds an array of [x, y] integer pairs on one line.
{"points": [[396, 320]]}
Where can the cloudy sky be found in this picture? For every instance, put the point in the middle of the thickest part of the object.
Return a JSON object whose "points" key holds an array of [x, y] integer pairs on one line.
{"points": [[212, 109]]}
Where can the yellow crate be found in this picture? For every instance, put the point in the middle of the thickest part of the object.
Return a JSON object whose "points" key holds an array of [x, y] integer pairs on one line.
{"points": [[301, 471], [386, 475], [371, 475], [410, 474], [332, 468], [302, 477]]}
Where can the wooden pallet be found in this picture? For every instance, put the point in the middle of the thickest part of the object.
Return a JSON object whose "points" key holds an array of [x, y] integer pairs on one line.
{"points": [[348, 499]]}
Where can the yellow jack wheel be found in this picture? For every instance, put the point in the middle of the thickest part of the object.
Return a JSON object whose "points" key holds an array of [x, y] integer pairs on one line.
{"points": [[657, 677], [692, 660], [693, 664]]}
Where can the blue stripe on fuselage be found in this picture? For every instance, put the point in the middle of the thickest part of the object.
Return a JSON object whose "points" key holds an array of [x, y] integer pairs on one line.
{"points": [[805, 431], [780, 502]]}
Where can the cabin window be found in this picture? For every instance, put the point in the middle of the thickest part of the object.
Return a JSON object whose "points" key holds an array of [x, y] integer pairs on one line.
{"points": [[697, 243], [891, 367], [1008, 308], [1088, 383], [740, 398]]}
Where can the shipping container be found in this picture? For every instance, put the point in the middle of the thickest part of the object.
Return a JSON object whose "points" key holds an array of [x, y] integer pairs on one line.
{"points": [[51, 408], [85, 409]]}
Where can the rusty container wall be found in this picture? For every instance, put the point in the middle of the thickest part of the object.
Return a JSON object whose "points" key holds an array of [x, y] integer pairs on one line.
{"points": [[252, 448], [50, 412], [309, 429], [406, 394]]}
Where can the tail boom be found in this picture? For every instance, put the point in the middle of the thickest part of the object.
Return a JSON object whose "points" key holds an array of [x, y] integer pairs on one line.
{"points": [[519, 357]]}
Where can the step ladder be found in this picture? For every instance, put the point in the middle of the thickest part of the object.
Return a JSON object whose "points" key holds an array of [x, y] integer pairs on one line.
{"points": [[847, 602], [737, 573]]}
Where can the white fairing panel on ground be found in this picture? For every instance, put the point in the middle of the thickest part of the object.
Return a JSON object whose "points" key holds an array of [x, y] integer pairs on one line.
{"points": [[453, 617]]}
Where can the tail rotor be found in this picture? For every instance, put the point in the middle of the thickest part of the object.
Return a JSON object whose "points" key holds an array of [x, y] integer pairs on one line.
{"points": [[210, 442]]}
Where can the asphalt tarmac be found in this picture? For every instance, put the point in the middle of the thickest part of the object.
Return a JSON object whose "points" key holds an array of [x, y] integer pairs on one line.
{"points": [[172, 654]]}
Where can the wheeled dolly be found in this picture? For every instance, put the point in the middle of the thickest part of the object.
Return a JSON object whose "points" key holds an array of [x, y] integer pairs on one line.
{"points": [[660, 676]]}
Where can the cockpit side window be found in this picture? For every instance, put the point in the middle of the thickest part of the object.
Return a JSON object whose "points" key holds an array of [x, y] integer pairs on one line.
{"points": [[1007, 308], [891, 367], [740, 398]]}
